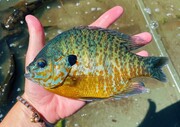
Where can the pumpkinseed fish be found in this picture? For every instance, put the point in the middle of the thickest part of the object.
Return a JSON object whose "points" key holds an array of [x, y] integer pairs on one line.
{"points": [[90, 62]]}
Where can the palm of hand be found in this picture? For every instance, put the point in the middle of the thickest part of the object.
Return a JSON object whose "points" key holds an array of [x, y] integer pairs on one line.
{"points": [[52, 106]]}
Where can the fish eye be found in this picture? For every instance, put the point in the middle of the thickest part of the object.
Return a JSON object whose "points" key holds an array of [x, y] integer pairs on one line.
{"points": [[41, 63]]}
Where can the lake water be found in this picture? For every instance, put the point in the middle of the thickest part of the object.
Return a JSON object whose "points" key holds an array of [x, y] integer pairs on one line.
{"points": [[160, 107]]}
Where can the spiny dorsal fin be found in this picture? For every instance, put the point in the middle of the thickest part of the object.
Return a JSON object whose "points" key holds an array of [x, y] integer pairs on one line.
{"points": [[126, 42]]}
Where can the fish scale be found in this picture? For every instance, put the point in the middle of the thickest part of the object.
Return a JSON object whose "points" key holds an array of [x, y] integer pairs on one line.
{"points": [[101, 64]]}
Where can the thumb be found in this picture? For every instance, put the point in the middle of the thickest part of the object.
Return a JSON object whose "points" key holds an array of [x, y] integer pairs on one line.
{"points": [[36, 43], [36, 38]]}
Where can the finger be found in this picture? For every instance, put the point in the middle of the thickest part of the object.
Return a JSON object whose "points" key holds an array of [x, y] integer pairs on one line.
{"points": [[36, 43], [142, 38], [143, 53], [36, 38], [108, 17]]}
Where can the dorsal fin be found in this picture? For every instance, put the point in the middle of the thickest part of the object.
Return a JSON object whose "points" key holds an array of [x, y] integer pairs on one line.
{"points": [[126, 42]]}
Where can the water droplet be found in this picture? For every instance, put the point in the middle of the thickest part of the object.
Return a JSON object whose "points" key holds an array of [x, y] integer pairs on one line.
{"points": [[77, 4], [135, 99], [98, 9], [21, 22], [147, 10], [156, 9], [169, 14], [178, 35], [1, 115], [48, 7], [7, 26], [93, 9], [82, 115], [137, 123], [20, 46], [59, 31], [76, 125], [110, 116], [154, 24], [18, 89], [12, 45], [59, 6], [2, 91], [178, 28]]}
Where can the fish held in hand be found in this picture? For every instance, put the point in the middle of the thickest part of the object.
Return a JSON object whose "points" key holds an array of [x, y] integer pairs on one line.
{"points": [[91, 62]]}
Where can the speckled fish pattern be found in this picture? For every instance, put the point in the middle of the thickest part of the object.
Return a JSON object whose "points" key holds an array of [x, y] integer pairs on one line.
{"points": [[104, 67]]}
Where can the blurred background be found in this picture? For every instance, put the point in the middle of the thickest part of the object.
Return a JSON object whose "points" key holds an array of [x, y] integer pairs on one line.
{"points": [[160, 107]]}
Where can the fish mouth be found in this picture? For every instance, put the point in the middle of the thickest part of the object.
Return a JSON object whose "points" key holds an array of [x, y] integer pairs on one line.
{"points": [[28, 69], [27, 74]]}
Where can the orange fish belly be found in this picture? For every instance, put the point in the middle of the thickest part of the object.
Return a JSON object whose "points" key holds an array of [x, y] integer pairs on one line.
{"points": [[103, 85], [88, 87]]}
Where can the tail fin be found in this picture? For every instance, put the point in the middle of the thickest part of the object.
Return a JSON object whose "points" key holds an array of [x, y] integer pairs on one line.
{"points": [[154, 65]]}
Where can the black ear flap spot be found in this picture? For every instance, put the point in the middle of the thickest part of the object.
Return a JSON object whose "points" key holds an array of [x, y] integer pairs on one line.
{"points": [[72, 59]]}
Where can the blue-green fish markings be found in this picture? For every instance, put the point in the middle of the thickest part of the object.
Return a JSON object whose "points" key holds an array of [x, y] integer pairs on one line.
{"points": [[92, 62]]}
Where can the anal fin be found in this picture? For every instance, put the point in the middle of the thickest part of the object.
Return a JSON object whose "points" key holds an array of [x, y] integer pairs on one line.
{"points": [[134, 89]]}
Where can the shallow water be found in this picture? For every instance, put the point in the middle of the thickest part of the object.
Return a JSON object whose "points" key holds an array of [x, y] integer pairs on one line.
{"points": [[163, 19]]}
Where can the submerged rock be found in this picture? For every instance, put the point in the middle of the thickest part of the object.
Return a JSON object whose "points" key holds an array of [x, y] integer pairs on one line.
{"points": [[7, 71]]}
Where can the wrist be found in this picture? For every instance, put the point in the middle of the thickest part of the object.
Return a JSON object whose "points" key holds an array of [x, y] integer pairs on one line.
{"points": [[44, 106], [27, 113], [35, 110], [19, 115]]}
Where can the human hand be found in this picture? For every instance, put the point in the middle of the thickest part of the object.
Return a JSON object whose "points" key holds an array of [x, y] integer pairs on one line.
{"points": [[52, 106]]}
